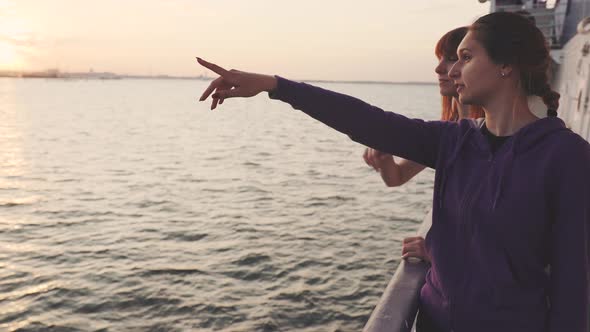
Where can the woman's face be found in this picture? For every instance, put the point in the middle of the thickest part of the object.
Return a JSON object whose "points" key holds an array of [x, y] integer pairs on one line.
{"points": [[445, 83], [475, 75]]}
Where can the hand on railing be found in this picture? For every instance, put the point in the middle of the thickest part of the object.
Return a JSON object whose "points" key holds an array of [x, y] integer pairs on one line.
{"points": [[415, 247]]}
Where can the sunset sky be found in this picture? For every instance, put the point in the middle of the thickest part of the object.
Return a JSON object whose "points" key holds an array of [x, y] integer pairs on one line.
{"points": [[389, 40]]}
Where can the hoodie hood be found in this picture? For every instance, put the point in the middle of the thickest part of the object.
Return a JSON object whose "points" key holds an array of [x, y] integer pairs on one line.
{"points": [[524, 139]]}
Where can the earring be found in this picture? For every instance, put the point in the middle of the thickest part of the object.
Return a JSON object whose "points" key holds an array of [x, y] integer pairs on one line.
{"points": [[502, 74]]}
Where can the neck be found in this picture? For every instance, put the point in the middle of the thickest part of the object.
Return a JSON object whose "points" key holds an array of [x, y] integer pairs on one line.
{"points": [[462, 109], [505, 115]]}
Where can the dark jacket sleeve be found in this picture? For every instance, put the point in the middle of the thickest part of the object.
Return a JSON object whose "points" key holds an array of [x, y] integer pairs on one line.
{"points": [[412, 139], [570, 247]]}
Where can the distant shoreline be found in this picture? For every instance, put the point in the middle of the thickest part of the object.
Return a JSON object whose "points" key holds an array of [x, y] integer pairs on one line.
{"points": [[91, 75]]}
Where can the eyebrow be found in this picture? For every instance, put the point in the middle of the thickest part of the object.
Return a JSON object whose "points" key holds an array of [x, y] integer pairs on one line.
{"points": [[463, 49]]}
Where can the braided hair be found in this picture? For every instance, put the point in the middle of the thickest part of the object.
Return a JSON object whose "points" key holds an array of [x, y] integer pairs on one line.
{"points": [[512, 39]]}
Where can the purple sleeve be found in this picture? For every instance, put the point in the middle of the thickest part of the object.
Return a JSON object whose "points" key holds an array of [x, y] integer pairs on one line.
{"points": [[570, 251], [412, 139]]}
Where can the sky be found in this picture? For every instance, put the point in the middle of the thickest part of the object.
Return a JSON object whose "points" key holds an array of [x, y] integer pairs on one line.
{"points": [[374, 40]]}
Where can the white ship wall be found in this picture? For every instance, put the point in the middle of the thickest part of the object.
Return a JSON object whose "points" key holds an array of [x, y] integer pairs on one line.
{"points": [[572, 82]]}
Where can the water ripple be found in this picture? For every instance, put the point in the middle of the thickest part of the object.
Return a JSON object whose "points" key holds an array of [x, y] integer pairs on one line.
{"points": [[150, 216]]}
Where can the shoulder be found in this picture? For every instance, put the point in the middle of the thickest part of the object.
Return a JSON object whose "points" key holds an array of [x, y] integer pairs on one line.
{"points": [[570, 146], [549, 138], [456, 135], [569, 156]]}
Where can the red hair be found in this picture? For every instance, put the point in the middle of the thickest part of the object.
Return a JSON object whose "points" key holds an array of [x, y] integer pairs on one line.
{"points": [[446, 47]]}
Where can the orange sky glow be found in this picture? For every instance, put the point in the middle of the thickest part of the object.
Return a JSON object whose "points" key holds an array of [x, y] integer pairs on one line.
{"points": [[389, 40]]}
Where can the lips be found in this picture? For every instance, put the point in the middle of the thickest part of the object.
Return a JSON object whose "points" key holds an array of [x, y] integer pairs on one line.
{"points": [[459, 87]]}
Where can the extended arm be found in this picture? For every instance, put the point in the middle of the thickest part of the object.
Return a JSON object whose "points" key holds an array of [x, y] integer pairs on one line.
{"points": [[393, 133]]}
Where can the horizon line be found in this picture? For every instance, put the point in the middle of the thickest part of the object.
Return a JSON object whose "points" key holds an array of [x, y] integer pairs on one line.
{"points": [[54, 73]]}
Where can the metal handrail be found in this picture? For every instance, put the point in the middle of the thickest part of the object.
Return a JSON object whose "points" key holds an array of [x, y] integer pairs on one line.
{"points": [[398, 306]]}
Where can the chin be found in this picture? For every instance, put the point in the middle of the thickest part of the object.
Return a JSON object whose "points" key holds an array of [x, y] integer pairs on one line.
{"points": [[465, 100], [448, 92]]}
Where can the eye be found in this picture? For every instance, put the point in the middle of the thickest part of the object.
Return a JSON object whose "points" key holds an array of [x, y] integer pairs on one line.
{"points": [[452, 59], [465, 57]]}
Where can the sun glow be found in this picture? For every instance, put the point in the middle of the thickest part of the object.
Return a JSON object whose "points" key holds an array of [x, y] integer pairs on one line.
{"points": [[10, 57], [16, 38]]}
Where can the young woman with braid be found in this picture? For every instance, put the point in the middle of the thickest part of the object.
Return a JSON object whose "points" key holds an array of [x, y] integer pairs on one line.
{"points": [[511, 192]]}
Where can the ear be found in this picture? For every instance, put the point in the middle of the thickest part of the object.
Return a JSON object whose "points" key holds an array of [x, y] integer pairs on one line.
{"points": [[506, 70]]}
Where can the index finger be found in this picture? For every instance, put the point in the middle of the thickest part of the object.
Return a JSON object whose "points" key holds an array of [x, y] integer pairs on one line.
{"points": [[213, 67]]}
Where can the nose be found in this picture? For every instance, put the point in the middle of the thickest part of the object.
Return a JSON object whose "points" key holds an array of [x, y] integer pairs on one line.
{"points": [[440, 68], [455, 71]]}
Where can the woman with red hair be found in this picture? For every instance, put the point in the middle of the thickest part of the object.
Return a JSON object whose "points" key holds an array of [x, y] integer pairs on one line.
{"points": [[396, 173]]}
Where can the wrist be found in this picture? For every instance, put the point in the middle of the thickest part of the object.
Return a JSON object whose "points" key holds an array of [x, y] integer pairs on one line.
{"points": [[270, 83]]}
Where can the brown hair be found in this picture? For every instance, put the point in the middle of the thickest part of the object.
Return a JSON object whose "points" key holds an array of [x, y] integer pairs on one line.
{"points": [[446, 47], [512, 39]]}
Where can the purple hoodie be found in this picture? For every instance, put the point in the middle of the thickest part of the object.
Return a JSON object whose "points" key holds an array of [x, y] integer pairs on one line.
{"points": [[499, 220]]}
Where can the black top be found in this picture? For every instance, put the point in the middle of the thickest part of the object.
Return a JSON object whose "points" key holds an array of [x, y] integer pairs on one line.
{"points": [[495, 141]]}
